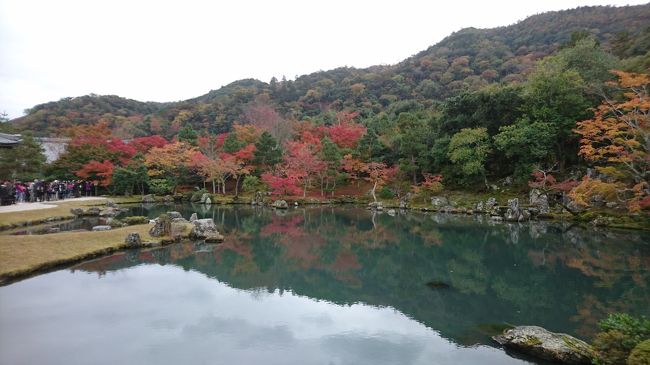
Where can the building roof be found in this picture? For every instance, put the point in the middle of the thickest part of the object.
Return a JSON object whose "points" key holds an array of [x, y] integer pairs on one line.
{"points": [[9, 140]]}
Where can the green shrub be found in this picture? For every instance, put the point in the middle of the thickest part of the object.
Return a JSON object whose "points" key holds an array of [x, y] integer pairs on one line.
{"points": [[160, 186], [620, 334], [640, 355], [251, 184], [137, 219], [116, 223], [609, 348], [196, 196], [386, 193]]}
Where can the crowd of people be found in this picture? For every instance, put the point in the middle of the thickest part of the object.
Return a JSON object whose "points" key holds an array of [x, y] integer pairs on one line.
{"points": [[12, 192]]}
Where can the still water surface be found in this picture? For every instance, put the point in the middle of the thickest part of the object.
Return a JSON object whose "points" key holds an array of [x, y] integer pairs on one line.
{"points": [[326, 286]]}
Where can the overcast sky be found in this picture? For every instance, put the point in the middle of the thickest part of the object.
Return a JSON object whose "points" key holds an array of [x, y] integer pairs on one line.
{"points": [[174, 50]]}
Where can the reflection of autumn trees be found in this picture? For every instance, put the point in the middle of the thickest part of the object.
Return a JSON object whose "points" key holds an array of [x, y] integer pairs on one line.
{"points": [[559, 277]]}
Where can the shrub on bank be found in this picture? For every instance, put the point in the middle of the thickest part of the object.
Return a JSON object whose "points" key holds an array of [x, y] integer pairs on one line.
{"points": [[620, 334]]}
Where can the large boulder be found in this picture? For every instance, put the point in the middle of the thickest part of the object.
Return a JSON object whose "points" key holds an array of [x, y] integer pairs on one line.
{"points": [[92, 212], [109, 212], [439, 202], [490, 204], [258, 199], [404, 200], [149, 198], [193, 217], [161, 226], [280, 204], [205, 229], [174, 215], [539, 201], [538, 342], [480, 207], [133, 240], [515, 213], [77, 211]]}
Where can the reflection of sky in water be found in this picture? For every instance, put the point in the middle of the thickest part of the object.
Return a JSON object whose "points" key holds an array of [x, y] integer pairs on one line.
{"points": [[163, 315]]}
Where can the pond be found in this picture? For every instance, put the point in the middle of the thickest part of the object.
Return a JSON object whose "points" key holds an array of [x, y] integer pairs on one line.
{"points": [[327, 285]]}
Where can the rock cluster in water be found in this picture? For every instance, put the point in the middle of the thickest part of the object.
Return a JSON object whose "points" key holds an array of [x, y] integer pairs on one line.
{"points": [[205, 229], [280, 204]]}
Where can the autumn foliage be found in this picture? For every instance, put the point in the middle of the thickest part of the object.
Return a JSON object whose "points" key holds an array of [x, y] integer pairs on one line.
{"points": [[99, 172], [617, 141], [619, 133]]}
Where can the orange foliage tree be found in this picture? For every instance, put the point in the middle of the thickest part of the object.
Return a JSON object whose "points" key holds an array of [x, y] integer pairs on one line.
{"points": [[170, 162], [101, 173], [617, 140], [619, 133]]}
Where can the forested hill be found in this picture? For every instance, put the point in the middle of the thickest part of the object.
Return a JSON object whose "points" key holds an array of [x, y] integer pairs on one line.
{"points": [[468, 60]]}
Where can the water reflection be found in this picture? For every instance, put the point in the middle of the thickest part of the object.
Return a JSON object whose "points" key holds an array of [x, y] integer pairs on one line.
{"points": [[333, 285], [557, 275], [151, 314]]}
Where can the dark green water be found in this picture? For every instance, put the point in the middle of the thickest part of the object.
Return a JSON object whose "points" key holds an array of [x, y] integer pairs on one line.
{"points": [[326, 286]]}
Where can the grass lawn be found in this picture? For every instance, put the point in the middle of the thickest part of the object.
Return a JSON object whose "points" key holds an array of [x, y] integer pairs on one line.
{"points": [[60, 211], [21, 255]]}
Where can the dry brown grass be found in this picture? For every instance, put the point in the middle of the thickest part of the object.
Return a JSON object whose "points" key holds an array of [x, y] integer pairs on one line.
{"points": [[61, 211], [21, 255]]}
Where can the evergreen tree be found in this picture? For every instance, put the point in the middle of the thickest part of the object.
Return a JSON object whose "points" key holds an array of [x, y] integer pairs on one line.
{"points": [[23, 162], [267, 151], [188, 135]]}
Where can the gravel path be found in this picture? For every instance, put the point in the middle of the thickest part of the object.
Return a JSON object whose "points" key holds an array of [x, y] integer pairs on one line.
{"points": [[21, 207]]}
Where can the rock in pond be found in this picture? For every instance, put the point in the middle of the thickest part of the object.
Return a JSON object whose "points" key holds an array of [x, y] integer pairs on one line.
{"points": [[439, 202], [92, 212], [205, 229], [280, 204], [204, 198], [77, 211], [174, 215], [148, 199], [109, 212], [133, 240], [391, 212], [160, 227], [515, 213], [543, 344], [436, 284], [102, 228]]}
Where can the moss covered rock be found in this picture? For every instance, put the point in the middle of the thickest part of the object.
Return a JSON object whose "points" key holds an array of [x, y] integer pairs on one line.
{"points": [[538, 342]]}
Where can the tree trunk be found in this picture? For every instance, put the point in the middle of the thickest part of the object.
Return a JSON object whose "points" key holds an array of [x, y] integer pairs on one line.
{"points": [[415, 171], [322, 182], [374, 187], [237, 185], [214, 188]]}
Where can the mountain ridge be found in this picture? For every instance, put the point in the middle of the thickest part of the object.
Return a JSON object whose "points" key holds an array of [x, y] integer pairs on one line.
{"points": [[468, 59]]}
